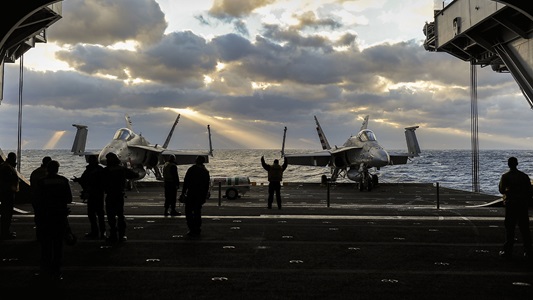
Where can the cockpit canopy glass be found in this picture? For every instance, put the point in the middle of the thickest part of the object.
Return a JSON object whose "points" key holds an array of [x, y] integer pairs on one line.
{"points": [[366, 135], [124, 134]]}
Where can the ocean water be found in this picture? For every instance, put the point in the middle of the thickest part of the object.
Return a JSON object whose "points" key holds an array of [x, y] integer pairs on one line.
{"points": [[450, 168]]}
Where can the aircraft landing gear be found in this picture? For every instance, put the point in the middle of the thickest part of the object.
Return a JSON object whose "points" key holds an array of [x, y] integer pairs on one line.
{"points": [[375, 180], [366, 182]]}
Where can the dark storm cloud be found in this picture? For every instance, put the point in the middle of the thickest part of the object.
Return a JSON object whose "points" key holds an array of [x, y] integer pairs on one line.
{"points": [[273, 62], [232, 47], [234, 11], [106, 22], [231, 9], [309, 20], [180, 58], [93, 60], [304, 74], [63, 89], [181, 52], [296, 39], [177, 63], [347, 39]]}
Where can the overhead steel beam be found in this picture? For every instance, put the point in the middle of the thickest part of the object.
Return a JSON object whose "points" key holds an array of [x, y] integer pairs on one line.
{"points": [[23, 25], [523, 6]]}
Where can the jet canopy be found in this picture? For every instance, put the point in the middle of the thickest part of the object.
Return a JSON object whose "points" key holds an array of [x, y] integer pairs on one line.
{"points": [[124, 134], [366, 135]]}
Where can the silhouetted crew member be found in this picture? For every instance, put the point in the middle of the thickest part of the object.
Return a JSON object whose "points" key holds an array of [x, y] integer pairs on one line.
{"points": [[54, 195], [172, 184], [92, 183], [195, 189], [275, 176], [9, 186], [40, 172], [515, 186], [115, 177], [35, 176]]}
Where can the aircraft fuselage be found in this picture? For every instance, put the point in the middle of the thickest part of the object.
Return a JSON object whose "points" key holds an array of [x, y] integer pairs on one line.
{"points": [[363, 151], [136, 158]]}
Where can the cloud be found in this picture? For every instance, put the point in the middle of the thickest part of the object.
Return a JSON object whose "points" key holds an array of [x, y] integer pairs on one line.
{"points": [[232, 9], [106, 22], [309, 20], [270, 65]]}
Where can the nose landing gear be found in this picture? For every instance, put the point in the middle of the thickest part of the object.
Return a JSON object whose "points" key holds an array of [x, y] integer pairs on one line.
{"points": [[368, 181]]}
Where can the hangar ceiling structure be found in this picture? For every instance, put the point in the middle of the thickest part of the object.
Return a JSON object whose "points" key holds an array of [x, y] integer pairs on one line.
{"points": [[487, 33], [24, 24], [495, 33]]}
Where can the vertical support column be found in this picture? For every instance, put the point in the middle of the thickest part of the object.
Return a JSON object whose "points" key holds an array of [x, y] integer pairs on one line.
{"points": [[219, 193], [328, 191], [19, 139], [438, 195], [474, 127]]}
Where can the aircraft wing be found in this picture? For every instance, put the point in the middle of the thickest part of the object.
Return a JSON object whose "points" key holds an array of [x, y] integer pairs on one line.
{"points": [[87, 155], [185, 157], [320, 159], [399, 158], [182, 157], [148, 148], [345, 149]]}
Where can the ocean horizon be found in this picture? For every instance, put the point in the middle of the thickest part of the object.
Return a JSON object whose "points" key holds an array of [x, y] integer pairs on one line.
{"points": [[450, 168]]}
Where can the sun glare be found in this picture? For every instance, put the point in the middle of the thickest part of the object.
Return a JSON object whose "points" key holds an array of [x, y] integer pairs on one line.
{"points": [[242, 133], [208, 80], [51, 144], [220, 66], [129, 45]]}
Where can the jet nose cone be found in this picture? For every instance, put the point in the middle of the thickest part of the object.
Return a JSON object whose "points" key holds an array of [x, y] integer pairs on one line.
{"points": [[102, 159], [380, 157]]}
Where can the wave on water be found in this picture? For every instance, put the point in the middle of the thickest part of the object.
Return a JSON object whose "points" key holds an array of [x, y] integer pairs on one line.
{"points": [[450, 168]]}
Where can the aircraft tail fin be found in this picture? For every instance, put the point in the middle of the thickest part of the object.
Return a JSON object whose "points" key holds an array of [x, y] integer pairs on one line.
{"points": [[322, 136], [167, 141], [78, 146], [283, 143], [128, 121], [210, 143], [365, 123], [412, 142]]}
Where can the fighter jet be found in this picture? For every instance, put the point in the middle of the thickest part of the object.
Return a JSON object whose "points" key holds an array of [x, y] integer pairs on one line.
{"points": [[135, 152], [358, 155]]}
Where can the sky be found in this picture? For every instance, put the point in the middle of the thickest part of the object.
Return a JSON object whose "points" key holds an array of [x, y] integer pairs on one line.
{"points": [[250, 68]]}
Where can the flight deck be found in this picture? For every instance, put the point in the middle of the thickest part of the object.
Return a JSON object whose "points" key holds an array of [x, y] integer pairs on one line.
{"points": [[391, 243]]}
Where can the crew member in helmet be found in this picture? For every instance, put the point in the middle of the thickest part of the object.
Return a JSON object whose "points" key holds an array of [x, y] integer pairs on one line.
{"points": [[9, 186], [172, 184], [275, 176], [115, 176], [195, 191]]}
